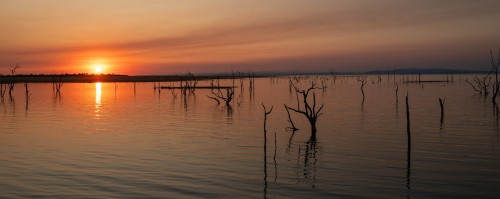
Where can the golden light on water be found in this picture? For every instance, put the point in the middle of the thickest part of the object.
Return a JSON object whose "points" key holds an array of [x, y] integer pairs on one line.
{"points": [[97, 98]]}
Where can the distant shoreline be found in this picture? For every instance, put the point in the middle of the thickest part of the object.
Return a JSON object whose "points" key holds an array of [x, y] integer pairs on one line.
{"points": [[108, 78], [92, 78]]}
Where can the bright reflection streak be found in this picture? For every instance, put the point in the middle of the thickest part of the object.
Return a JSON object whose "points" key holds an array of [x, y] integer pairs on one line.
{"points": [[97, 99]]}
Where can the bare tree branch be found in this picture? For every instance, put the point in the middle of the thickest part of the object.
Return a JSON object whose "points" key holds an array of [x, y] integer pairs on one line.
{"points": [[309, 111]]}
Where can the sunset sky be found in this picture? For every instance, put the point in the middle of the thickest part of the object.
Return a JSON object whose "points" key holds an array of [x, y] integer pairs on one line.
{"points": [[167, 37]]}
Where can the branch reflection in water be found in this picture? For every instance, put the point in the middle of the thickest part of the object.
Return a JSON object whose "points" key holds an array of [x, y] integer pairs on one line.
{"points": [[306, 159]]}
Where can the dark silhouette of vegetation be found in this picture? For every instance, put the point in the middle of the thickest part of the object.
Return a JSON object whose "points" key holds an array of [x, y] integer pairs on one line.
{"points": [[11, 86], [397, 89], [219, 96], [27, 92], [306, 160], [28, 95], [214, 98], [481, 84], [189, 83], [408, 151], [274, 158], [265, 117], [57, 84], [12, 82], [3, 89], [293, 128], [251, 87], [265, 146], [363, 82], [13, 69], [135, 89], [494, 70], [441, 104], [310, 112], [408, 120]]}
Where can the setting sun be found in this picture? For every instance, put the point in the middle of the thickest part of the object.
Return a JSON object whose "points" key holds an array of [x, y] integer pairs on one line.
{"points": [[98, 68]]}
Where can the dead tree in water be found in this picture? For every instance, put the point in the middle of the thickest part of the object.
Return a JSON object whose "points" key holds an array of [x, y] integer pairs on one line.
{"points": [[3, 88], [408, 150], [265, 126], [265, 117], [13, 69], [190, 83], [441, 104], [363, 81], [26, 87], [217, 96], [481, 84], [293, 128], [214, 98], [28, 95], [11, 86], [240, 76], [397, 89], [265, 146], [57, 84], [12, 83], [310, 112], [408, 121], [494, 69]]}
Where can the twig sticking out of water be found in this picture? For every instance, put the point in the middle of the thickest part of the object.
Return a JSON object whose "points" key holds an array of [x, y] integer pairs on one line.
{"points": [[265, 115], [397, 89], [441, 104], [408, 120]]}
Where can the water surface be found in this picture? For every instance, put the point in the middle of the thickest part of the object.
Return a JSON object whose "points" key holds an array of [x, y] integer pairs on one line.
{"points": [[116, 141]]}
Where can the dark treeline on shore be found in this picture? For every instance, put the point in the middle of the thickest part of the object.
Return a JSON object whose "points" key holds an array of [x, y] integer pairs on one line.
{"points": [[111, 77], [89, 78]]}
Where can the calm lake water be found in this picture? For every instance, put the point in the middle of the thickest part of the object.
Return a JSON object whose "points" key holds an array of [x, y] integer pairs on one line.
{"points": [[105, 140]]}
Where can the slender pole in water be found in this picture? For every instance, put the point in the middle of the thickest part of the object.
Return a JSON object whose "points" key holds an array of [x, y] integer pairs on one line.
{"points": [[274, 158], [265, 147], [441, 103], [408, 120], [397, 89], [408, 151]]}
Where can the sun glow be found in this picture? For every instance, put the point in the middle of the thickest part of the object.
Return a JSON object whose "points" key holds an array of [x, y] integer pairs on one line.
{"points": [[98, 68]]}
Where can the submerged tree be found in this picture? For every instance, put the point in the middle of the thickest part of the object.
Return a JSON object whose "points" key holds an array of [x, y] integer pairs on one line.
{"points": [[363, 81], [57, 84], [310, 112], [13, 69], [218, 96], [494, 69], [481, 84], [293, 128], [3, 88], [12, 83], [190, 83]]}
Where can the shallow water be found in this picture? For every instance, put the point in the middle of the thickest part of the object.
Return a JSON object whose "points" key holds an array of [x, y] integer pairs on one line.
{"points": [[106, 140]]}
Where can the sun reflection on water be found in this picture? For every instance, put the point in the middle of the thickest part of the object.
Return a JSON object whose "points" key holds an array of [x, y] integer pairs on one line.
{"points": [[97, 99]]}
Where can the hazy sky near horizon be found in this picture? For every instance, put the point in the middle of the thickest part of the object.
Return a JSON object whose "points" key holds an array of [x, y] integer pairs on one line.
{"points": [[162, 37]]}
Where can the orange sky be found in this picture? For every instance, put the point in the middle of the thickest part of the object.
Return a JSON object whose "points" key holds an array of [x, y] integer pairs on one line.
{"points": [[165, 37]]}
